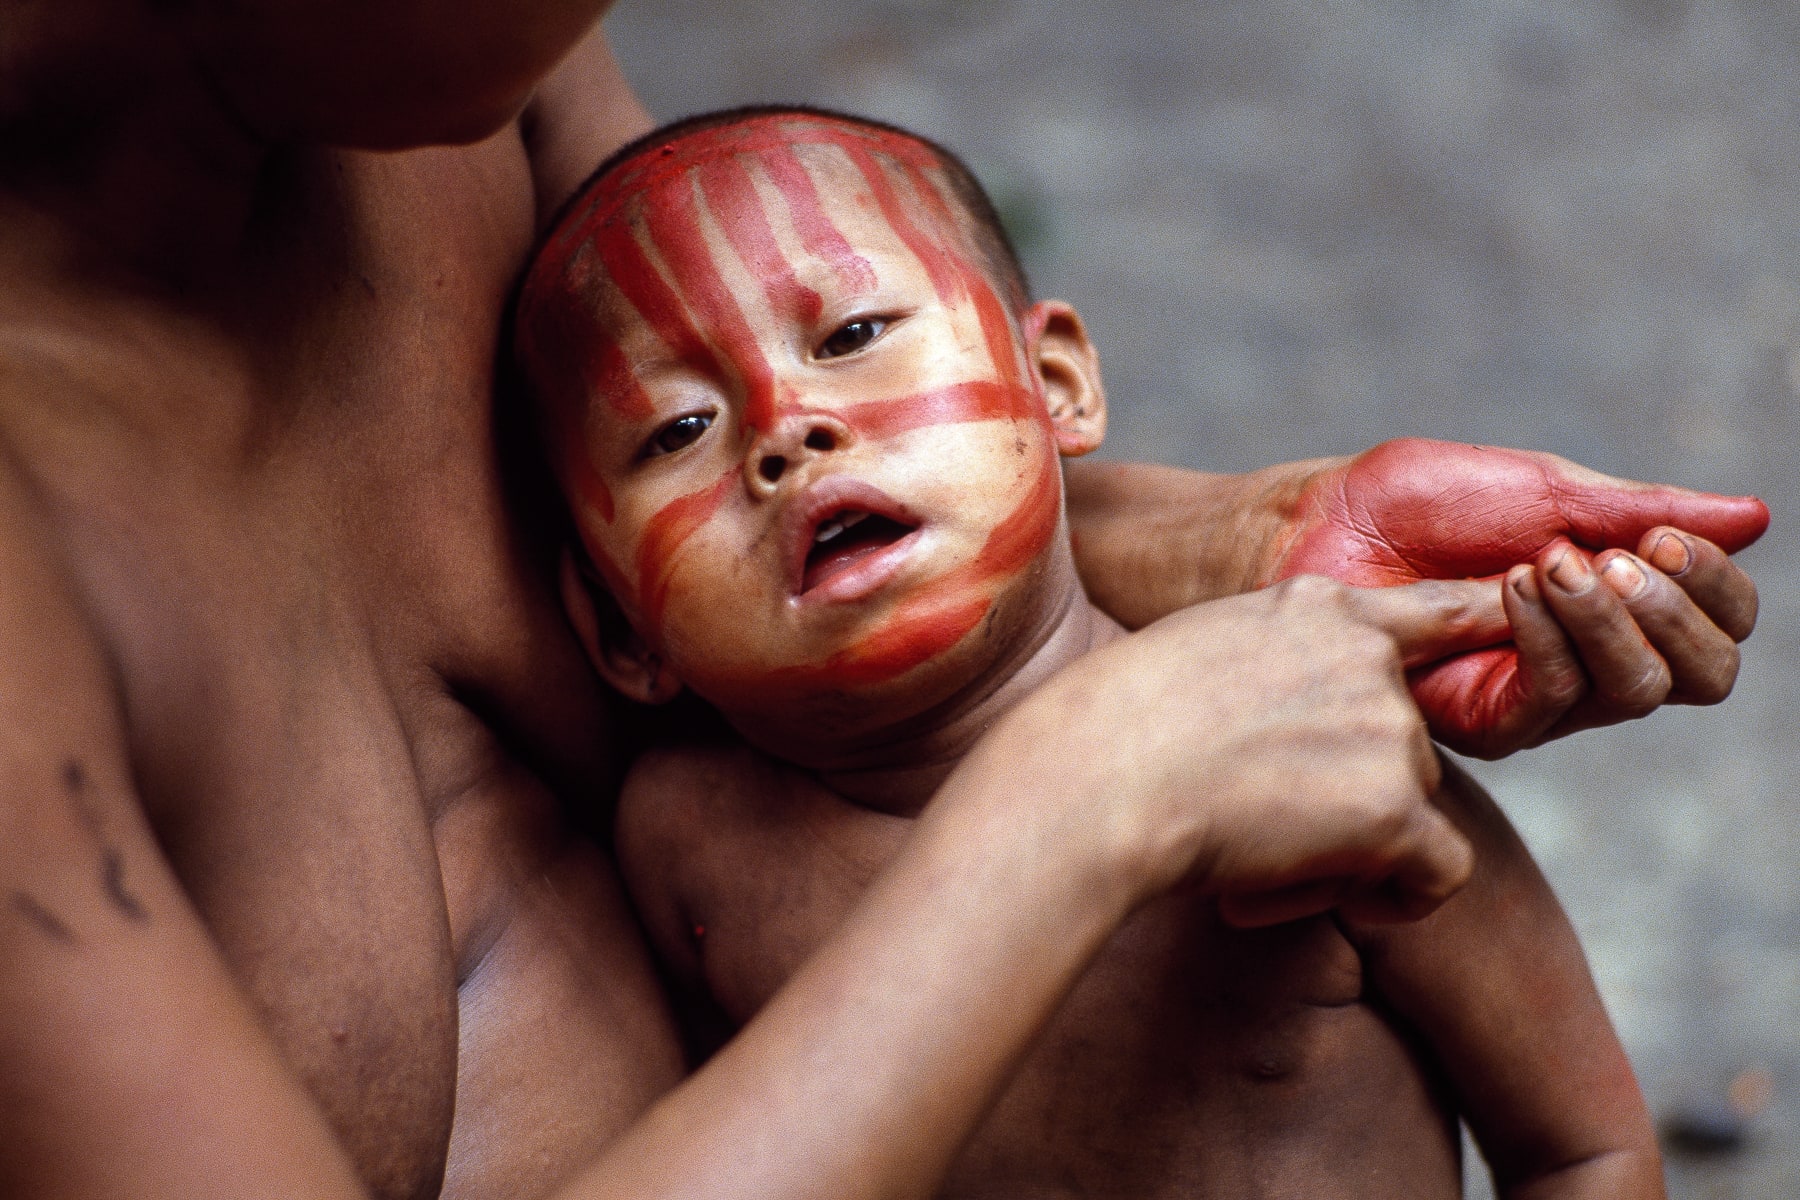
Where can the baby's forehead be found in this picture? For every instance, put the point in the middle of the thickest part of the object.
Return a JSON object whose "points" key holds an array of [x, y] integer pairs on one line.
{"points": [[801, 171]]}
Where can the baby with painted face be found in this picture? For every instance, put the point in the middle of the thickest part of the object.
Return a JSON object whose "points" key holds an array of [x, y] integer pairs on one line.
{"points": [[808, 421]]}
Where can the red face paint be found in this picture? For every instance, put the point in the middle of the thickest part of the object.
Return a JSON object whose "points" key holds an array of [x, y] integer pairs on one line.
{"points": [[818, 234], [959, 403], [673, 214], [662, 538], [675, 280], [732, 196]]}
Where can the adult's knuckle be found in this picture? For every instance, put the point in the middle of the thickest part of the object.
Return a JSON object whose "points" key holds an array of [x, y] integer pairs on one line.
{"points": [[1715, 682], [1311, 591], [1642, 693]]}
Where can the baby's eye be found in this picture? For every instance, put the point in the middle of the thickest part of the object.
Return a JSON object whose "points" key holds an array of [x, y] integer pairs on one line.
{"points": [[851, 338], [680, 432]]}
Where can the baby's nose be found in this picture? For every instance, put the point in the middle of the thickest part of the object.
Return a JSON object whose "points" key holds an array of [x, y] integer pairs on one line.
{"points": [[819, 437]]}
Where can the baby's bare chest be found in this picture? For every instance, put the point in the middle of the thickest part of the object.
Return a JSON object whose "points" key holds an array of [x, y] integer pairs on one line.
{"points": [[1191, 1060]]}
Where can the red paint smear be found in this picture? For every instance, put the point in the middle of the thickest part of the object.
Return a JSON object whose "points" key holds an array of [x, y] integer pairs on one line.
{"points": [[910, 640], [931, 623], [818, 233], [929, 253], [739, 209], [614, 379], [663, 536], [981, 400], [1416, 509], [594, 214], [587, 484], [673, 215], [755, 135], [996, 324], [639, 281]]}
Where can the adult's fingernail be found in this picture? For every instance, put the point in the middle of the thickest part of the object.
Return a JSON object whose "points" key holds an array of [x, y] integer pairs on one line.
{"points": [[1572, 573], [1624, 576], [1670, 555]]}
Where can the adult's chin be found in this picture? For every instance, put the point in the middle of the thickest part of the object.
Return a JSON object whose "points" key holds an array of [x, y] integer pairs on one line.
{"points": [[382, 74]]}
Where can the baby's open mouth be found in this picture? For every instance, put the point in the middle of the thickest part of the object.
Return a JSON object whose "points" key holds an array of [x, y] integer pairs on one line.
{"points": [[844, 538]]}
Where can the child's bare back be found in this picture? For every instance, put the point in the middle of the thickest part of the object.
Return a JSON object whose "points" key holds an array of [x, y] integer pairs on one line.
{"points": [[809, 426]]}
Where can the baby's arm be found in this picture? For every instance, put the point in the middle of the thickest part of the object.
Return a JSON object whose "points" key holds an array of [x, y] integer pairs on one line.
{"points": [[665, 837], [1497, 986]]}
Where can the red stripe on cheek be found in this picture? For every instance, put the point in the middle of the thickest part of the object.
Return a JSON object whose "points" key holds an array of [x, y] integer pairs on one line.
{"points": [[663, 536], [932, 623], [674, 218], [589, 488], [981, 400], [818, 233], [1025, 533], [909, 641], [732, 195]]}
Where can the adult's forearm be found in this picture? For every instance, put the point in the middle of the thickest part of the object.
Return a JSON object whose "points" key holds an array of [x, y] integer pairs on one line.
{"points": [[874, 1064], [1150, 539]]}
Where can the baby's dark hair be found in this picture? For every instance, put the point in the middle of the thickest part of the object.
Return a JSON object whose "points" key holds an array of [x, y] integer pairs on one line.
{"points": [[986, 229]]}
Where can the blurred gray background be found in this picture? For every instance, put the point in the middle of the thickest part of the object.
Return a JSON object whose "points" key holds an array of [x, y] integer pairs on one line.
{"points": [[1298, 228]]}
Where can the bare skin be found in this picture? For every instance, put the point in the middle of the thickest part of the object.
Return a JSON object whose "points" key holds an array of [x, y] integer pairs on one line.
{"points": [[1193, 1059], [289, 905], [1321, 1057]]}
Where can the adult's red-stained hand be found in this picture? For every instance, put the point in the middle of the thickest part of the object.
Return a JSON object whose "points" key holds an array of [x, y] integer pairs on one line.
{"points": [[1600, 634]]}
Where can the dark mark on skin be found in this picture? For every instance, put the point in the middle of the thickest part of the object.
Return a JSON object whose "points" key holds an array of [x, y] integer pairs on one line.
{"points": [[74, 778], [123, 900], [43, 918]]}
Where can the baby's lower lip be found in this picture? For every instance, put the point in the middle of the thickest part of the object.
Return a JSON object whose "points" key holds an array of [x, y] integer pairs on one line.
{"points": [[859, 576]]}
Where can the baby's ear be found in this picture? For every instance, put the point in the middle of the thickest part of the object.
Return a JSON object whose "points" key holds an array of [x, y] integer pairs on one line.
{"points": [[1056, 342], [612, 645]]}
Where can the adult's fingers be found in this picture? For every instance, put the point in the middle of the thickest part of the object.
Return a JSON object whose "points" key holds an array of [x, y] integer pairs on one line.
{"points": [[1604, 511], [1436, 617], [1715, 583], [1424, 862], [1702, 658], [1629, 677]]}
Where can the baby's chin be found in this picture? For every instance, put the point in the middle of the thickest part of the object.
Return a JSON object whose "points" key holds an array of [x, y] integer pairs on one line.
{"points": [[915, 680]]}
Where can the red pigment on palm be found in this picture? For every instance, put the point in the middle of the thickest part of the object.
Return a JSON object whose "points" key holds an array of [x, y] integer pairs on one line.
{"points": [[1415, 509]]}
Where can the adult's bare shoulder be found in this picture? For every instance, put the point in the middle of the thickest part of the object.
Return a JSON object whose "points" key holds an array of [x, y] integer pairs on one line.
{"points": [[582, 112], [122, 1027]]}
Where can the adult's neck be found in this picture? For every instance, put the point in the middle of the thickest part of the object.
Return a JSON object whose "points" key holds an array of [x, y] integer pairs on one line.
{"points": [[119, 162], [899, 773]]}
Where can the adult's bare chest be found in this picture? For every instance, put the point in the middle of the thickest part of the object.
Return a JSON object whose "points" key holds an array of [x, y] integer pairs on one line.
{"points": [[298, 552]]}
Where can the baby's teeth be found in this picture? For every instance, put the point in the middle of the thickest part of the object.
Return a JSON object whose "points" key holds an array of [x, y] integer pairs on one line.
{"points": [[854, 519], [828, 531]]}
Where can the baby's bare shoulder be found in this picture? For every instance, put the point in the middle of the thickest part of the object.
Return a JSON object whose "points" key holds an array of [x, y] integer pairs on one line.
{"points": [[682, 800]]}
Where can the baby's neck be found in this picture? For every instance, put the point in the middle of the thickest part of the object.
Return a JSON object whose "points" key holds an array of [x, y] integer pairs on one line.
{"points": [[900, 775]]}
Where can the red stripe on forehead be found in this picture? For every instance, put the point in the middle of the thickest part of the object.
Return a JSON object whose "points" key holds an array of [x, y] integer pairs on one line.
{"points": [[931, 254], [642, 284], [663, 536], [821, 237], [774, 135], [739, 210], [673, 215]]}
